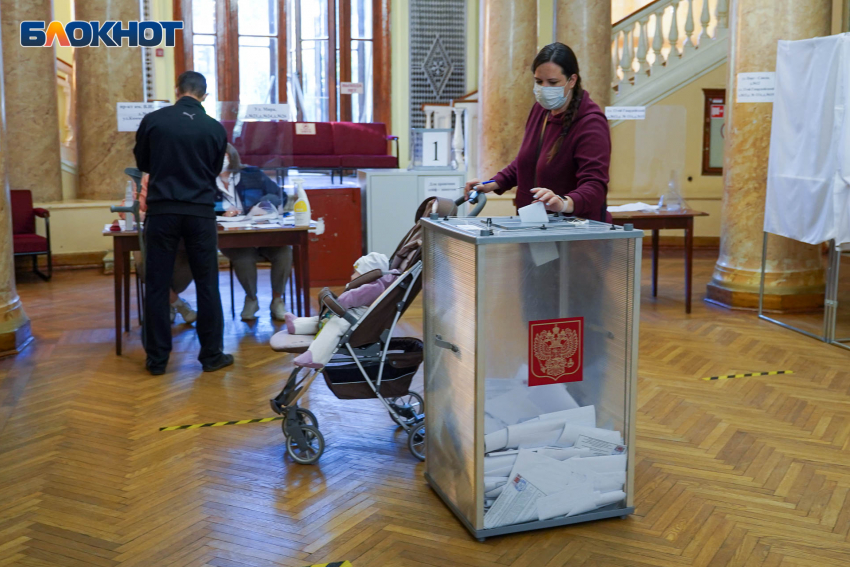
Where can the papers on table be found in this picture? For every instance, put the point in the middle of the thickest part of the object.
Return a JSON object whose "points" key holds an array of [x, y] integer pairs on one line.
{"points": [[633, 208], [237, 218]]}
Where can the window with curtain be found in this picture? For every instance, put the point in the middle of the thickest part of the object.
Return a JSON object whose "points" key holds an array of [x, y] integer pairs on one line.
{"points": [[295, 51]]}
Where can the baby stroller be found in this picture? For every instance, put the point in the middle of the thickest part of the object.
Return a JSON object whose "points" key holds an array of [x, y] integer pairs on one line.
{"points": [[368, 361]]}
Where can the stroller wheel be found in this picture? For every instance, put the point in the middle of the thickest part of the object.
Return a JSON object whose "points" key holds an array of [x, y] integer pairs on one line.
{"points": [[313, 449], [416, 441], [305, 417], [409, 407]]}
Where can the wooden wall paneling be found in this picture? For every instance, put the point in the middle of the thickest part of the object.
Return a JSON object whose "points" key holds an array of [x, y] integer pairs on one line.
{"points": [[345, 57], [227, 50], [233, 48], [381, 75], [332, 81], [183, 53], [282, 52]]}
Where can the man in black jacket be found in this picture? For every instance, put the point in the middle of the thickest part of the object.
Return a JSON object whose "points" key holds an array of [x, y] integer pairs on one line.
{"points": [[183, 149]]}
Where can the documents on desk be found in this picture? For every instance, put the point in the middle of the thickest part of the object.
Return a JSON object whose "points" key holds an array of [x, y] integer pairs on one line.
{"points": [[545, 456], [639, 207]]}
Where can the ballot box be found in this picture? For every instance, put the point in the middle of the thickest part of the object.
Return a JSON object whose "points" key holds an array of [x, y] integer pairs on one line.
{"points": [[531, 344]]}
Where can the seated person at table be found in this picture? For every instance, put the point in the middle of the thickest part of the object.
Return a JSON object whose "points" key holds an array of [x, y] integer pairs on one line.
{"points": [[182, 276], [356, 301], [240, 188]]}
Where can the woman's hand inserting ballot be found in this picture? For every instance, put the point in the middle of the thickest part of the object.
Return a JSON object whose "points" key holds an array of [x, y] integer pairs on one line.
{"points": [[552, 201]]}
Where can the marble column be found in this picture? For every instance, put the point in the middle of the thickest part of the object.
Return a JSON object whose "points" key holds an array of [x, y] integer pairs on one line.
{"points": [[32, 111], [586, 28], [105, 76], [15, 331], [505, 83], [794, 274]]}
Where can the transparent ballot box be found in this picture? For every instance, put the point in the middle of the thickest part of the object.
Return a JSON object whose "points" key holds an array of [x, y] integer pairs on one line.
{"points": [[531, 335]]}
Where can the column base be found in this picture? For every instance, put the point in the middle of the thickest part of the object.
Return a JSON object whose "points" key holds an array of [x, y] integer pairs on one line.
{"points": [[773, 303], [14, 341]]}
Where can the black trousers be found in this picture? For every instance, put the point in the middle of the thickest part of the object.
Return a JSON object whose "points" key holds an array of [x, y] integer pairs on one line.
{"points": [[162, 237]]}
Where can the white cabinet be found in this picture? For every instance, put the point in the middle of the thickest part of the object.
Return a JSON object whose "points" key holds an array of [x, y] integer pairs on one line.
{"points": [[390, 198]]}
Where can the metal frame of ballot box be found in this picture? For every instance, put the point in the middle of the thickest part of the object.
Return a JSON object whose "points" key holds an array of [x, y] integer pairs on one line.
{"points": [[830, 300], [488, 283]]}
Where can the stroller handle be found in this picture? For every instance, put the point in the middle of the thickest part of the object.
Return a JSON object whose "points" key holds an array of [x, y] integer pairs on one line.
{"points": [[474, 198]]}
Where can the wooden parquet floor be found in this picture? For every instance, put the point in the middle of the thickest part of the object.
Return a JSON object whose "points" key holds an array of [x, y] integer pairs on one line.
{"points": [[746, 472]]}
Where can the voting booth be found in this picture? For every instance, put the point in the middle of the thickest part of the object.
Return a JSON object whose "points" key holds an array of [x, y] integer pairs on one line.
{"points": [[531, 342], [808, 177]]}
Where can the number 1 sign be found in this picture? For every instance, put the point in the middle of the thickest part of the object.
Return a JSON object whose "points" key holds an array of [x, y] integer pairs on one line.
{"points": [[431, 148]]}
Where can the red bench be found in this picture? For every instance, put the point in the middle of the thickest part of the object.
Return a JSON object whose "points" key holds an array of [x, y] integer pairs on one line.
{"points": [[334, 146]]}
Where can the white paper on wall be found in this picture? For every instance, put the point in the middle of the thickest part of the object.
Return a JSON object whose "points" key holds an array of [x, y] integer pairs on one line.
{"points": [[755, 87], [130, 114], [267, 112], [625, 112]]}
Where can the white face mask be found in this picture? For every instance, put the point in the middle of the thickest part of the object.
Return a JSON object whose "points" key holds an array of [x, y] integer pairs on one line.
{"points": [[551, 98]]}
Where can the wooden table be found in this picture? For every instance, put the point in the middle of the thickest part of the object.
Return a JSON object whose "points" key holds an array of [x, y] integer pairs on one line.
{"points": [[664, 220], [125, 242]]}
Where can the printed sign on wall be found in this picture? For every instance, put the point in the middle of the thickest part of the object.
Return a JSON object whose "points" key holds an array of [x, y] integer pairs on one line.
{"points": [[555, 351], [130, 114], [266, 112], [625, 112], [351, 88], [756, 87]]}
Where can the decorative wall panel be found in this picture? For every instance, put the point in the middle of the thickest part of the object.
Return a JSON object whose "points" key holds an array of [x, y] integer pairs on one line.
{"points": [[437, 54]]}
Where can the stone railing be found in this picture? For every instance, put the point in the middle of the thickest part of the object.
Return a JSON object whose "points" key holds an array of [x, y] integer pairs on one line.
{"points": [[665, 45]]}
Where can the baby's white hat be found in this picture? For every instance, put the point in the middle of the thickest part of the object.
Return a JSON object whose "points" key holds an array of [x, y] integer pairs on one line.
{"points": [[372, 261]]}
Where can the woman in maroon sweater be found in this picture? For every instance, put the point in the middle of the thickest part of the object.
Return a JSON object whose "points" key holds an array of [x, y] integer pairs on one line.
{"points": [[565, 152]]}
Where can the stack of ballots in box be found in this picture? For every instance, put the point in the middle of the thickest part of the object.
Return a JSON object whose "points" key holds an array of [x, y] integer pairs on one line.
{"points": [[552, 465]]}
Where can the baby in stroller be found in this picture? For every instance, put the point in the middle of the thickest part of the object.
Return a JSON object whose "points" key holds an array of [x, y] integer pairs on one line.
{"points": [[331, 327]]}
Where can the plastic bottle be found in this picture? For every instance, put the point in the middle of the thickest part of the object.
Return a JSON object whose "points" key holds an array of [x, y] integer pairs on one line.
{"points": [[302, 204], [129, 199]]}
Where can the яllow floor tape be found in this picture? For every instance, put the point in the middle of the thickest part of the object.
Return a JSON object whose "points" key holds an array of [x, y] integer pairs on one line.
{"points": [[748, 374], [220, 423]]}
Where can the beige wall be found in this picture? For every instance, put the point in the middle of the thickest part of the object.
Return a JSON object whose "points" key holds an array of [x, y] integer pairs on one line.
{"points": [[163, 10], [76, 226], [645, 152]]}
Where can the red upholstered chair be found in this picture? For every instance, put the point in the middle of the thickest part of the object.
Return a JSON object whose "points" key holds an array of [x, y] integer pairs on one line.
{"points": [[25, 240], [363, 145]]}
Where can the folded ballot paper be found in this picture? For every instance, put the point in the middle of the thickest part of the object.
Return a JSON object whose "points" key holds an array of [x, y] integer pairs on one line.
{"points": [[552, 465]]}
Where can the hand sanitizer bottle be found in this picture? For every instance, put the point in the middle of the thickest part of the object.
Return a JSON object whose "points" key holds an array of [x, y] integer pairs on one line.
{"points": [[302, 204], [129, 199]]}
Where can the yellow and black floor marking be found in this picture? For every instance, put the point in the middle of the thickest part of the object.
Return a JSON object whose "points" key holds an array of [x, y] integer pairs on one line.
{"points": [[748, 374], [220, 423], [334, 564]]}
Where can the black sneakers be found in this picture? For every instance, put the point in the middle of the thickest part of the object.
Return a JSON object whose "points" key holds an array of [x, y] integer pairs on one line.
{"points": [[153, 369], [223, 361]]}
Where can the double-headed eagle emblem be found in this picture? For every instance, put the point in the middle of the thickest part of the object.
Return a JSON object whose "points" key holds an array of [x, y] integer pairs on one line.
{"points": [[555, 349]]}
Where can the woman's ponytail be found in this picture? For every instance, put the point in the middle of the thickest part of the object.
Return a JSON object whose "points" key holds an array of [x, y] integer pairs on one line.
{"points": [[569, 116]]}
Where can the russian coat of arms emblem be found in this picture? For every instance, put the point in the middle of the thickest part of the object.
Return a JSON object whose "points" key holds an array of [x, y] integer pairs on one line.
{"points": [[555, 351]]}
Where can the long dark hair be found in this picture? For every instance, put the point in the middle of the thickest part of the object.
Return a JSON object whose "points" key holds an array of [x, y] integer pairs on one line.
{"points": [[562, 56]]}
